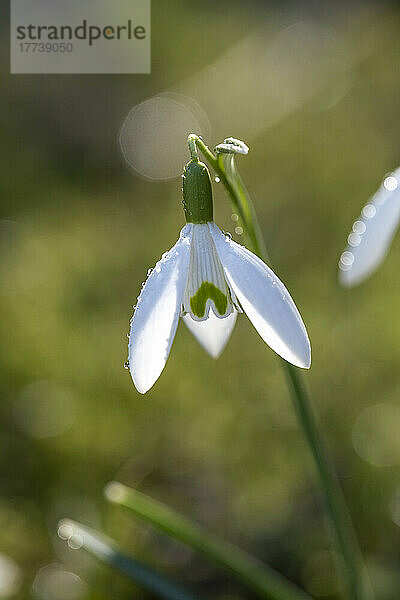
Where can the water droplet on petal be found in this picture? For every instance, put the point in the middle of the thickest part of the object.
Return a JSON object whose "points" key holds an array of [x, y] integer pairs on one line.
{"points": [[126, 364], [346, 260], [359, 227], [390, 183], [369, 211], [354, 239]]}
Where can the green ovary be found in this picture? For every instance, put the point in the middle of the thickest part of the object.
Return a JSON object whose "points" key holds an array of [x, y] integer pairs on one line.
{"points": [[208, 291]]}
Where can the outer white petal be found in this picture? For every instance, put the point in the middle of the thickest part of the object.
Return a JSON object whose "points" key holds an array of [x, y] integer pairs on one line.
{"points": [[213, 333], [372, 234], [155, 320], [265, 300]]}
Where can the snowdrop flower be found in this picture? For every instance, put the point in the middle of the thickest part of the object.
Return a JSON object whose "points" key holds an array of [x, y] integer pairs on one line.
{"points": [[372, 233], [207, 279]]}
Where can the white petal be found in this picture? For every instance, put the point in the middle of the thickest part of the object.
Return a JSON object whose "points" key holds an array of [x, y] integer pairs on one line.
{"points": [[155, 320], [206, 287], [265, 300], [213, 333], [372, 234]]}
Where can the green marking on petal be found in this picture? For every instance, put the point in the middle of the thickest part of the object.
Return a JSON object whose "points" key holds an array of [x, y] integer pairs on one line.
{"points": [[205, 292]]}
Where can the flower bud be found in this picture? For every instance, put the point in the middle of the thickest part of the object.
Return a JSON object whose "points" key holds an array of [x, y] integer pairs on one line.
{"points": [[232, 146]]}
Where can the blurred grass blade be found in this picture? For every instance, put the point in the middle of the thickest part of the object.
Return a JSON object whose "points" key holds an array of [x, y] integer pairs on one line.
{"points": [[78, 536], [261, 578]]}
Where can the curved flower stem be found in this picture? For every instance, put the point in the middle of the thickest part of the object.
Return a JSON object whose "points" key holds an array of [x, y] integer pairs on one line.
{"points": [[192, 147], [353, 569], [252, 572]]}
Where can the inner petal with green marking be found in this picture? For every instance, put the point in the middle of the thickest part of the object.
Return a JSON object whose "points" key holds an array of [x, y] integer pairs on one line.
{"points": [[206, 286], [208, 291]]}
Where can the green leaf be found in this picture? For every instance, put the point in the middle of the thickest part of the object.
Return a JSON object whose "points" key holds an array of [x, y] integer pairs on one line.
{"points": [[79, 536], [261, 578]]}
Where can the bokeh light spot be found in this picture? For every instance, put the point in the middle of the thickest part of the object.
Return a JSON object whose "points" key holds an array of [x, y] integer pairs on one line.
{"points": [[53, 582], [10, 577], [153, 135], [376, 435], [44, 409], [394, 507]]}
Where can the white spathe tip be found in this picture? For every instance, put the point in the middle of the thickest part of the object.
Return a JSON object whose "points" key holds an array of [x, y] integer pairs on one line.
{"points": [[155, 319], [265, 300], [372, 233], [214, 333]]}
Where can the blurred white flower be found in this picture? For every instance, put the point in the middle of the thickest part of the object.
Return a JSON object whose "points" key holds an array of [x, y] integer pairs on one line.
{"points": [[207, 278], [372, 233]]}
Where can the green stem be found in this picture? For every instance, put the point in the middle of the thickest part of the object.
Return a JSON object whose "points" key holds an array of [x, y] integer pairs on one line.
{"points": [[192, 146], [238, 195], [246, 208], [358, 586], [261, 578], [105, 550], [343, 533]]}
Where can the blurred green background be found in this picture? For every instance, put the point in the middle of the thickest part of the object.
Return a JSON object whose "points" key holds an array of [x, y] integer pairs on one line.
{"points": [[314, 89]]}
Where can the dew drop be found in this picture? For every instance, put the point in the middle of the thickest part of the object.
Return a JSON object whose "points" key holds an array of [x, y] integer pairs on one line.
{"points": [[359, 227], [354, 239], [235, 217], [239, 230], [126, 364], [346, 260], [149, 271], [369, 211], [390, 183], [217, 179]]}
